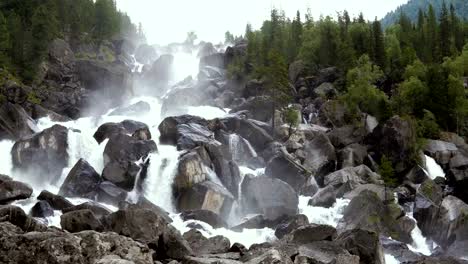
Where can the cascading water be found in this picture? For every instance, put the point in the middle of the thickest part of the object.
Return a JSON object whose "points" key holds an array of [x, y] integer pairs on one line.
{"points": [[321, 215], [433, 169]]}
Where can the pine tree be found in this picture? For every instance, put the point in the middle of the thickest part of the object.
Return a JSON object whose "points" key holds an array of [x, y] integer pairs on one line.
{"points": [[15, 27], [445, 39], [457, 31], [296, 35], [4, 41], [431, 36], [106, 20], [379, 48]]}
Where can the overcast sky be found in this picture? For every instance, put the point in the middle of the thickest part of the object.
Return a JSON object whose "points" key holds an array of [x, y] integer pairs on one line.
{"points": [[168, 21]]}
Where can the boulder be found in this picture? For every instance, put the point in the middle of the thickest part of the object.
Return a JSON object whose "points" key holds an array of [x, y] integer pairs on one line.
{"points": [[158, 76], [290, 225], [213, 60], [272, 256], [367, 211], [333, 114], [205, 216], [45, 154], [206, 50], [347, 135], [259, 108], [297, 69], [109, 193], [254, 88], [357, 175], [145, 54], [191, 170], [283, 167], [396, 140], [123, 148], [236, 52], [82, 181], [176, 101], [268, 196], [122, 174], [325, 90], [325, 197], [440, 151], [57, 202], [324, 252], [19, 218], [363, 243], [201, 245], [252, 131], [458, 179], [109, 83], [15, 123], [320, 157], [97, 209], [41, 209], [206, 195], [309, 233], [80, 220], [351, 156], [108, 130], [168, 127], [13, 190]]}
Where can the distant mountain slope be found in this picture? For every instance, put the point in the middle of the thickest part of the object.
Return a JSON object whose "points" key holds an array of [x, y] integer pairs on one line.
{"points": [[412, 7]]}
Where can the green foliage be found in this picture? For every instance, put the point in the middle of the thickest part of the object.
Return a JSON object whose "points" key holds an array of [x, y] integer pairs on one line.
{"points": [[428, 127], [291, 117], [32, 98], [4, 41], [387, 172], [362, 93], [236, 69]]}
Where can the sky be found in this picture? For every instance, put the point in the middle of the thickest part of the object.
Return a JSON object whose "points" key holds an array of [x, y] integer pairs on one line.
{"points": [[166, 21]]}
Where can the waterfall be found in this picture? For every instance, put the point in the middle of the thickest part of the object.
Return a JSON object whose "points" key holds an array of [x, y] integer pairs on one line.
{"points": [[433, 170], [320, 215]]}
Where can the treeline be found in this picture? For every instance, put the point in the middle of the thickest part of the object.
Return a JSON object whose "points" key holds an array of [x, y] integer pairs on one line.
{"points": [[28, 26], [410, 69]]}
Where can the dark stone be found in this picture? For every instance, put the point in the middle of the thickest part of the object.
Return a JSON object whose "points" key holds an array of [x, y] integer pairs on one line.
{"points": [[205, 216], [57, 202], [15, 123], [13, 190], [363, 243], [41, 209], [82, 181]]}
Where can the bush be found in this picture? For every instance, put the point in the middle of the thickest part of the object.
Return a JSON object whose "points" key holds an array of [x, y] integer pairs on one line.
{"points": [[387, 172], [428, 127]]}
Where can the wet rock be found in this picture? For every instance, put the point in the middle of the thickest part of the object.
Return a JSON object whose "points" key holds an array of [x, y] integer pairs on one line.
{"points": [[333, 114], [124, 148], [347, 135], [320, 156], [158, 75], [190, 171], [259, 108], [168, 127], [296, 69], [352, 156], [145, 54], [97, 209], [109, 193], [82, 181], [272, 256], [324, 252], [440, 151], [19, 218], [15, 123], [283, 167], [41, 209], [399, 250], [213, 60], [364, 244], [325, 197], [201, 245], [374, 215], [206, 195], [205, 216], [358, 175], [122, 174], [13, 190], [257, 135], [270, 197], [394, 139], [290, 225], [310, 233], [45, 154], [109, 130], [325, 90], [77, 221], [57, 202]]}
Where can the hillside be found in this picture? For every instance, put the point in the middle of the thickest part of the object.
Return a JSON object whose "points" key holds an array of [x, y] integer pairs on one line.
{"points": [[412, 7]]}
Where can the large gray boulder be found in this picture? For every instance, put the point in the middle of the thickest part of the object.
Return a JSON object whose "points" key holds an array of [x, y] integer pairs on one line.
{"points": [[15, 123], [363, 243], [80, 220], [13, 190], [283, 167], [108, 130], [82, 181], [56, 201], [201, 245], [159, 74], [320, 157], [324, 252], [45, 154], [268, 196], [259, 108], [145, 54], [440, 151]]}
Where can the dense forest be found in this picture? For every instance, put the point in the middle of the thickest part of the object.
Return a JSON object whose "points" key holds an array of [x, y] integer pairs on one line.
{"points": [[28, 26], [411, 9], [410, 69]]}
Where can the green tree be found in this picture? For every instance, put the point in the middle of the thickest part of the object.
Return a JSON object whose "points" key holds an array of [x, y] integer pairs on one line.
{"points": [[428, 127], [106, 20], [296, 35], [445, 36], [388, 176], [229, 38], [15, 28], [379, 48], [4, 41], [431, 36], [277, 82]]}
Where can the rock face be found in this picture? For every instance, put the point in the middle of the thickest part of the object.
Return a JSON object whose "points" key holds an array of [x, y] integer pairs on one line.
{"points": [[394, 139], [205, 216], [61, 247], [80, 220], [57, 202], [283, 167], [42, 209], [259, 108], [324, 252], [145, 54], [125, 157], [158, 76], [206, 195], [201, 245], [256, 134], [374, 215], [82, 181], [440, 151], [320, 156], [268, 196], [364, 244], [44, 154], [109, 130], [19, 218], [310, 233], [15, 123], [13, 190]]}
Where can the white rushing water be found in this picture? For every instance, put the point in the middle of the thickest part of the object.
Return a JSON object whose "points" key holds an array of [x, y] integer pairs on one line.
{"points": [[433, 169], [321, 215]]}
